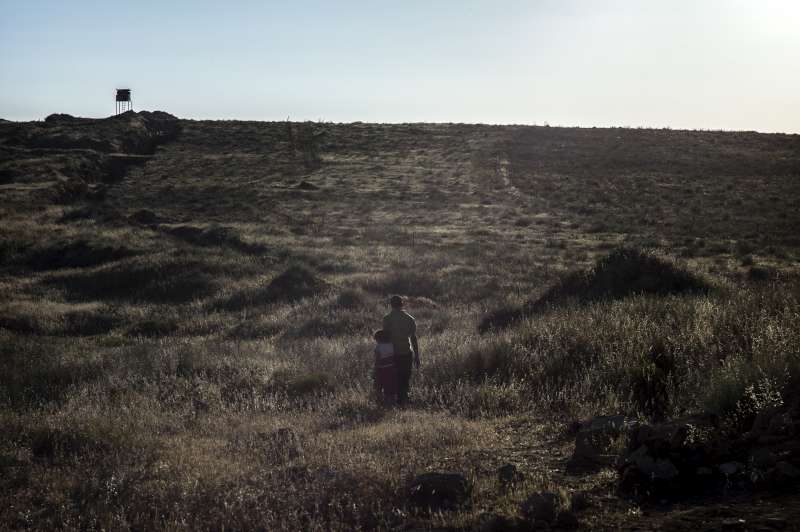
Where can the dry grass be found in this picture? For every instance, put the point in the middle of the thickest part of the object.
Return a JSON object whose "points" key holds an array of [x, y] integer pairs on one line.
{"points": [[151, 342]]}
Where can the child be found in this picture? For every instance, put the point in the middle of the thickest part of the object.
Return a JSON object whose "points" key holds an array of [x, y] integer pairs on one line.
{"points": [[385, 372]]}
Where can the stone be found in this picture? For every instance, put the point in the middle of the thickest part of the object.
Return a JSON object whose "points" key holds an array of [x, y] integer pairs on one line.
{"points": [[674, 434], [652, 468], [541, 507], [439, 491]]}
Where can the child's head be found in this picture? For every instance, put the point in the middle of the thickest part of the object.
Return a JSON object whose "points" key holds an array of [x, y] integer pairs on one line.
{"points": [[382, 337]]}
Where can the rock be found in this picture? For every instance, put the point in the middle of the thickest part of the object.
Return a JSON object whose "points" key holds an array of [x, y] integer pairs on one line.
{"points": [[541, 507], [671, 435], [730, 468], [508, 475], [652, 468], [439, 491]]}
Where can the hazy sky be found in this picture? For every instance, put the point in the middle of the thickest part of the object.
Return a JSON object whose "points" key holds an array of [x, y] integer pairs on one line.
{"points": [[684, 64]]}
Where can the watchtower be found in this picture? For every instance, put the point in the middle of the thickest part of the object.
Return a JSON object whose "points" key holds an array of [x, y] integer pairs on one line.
{"points": [[124, 102]]}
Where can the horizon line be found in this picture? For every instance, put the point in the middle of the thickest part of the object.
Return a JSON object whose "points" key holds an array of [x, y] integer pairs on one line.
{"points": [[544, 124]]}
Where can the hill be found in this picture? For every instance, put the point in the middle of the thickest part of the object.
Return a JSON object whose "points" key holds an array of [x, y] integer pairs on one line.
{"points": [[188, 310]]}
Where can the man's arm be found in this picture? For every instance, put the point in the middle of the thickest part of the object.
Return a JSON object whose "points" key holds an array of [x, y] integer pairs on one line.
{"points": [[415, 347]]}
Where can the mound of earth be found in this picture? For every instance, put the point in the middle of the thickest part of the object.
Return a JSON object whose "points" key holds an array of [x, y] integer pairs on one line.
{"points": [[622, 273], [78, 254], [131, 133], [295, 283], [76, 152], [168, 280], [213, 235]]}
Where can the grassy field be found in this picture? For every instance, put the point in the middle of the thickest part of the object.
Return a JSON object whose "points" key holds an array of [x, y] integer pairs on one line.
{"points": [[158, 328]]}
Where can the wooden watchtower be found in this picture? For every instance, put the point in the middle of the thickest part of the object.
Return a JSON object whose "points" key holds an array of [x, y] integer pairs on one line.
{"points": [[124, 102]]}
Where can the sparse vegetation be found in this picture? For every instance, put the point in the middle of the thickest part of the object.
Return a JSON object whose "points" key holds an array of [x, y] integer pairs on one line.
{"points": [[193, 350]]}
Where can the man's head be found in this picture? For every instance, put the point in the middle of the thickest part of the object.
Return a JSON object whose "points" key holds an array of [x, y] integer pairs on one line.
{"points": [[396, 302]]}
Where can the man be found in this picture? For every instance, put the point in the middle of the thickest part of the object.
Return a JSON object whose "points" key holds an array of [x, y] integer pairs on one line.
{"points": [[402, 329]]}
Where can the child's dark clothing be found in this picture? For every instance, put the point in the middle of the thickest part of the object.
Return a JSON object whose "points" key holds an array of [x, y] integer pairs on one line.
{"points": [[385, 373]]}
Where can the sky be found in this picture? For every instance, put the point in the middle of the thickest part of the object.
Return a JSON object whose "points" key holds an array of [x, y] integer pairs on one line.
{"points": [[684, 64]]}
